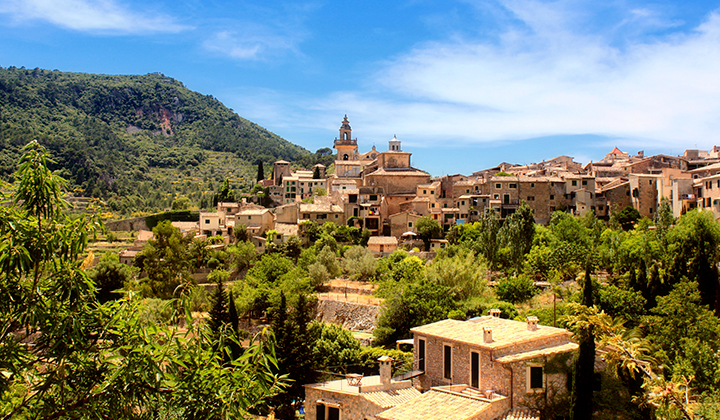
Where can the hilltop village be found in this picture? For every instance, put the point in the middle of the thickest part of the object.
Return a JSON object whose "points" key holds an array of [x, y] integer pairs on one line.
{"points": [[384, 193], [482, 367], [523, 304]]}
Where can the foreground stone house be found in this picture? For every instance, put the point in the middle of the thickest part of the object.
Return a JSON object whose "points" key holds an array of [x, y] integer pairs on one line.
{"points": [[485, 368], [492, 354]]}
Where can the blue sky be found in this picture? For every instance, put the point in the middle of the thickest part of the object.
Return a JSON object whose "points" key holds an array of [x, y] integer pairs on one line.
{"points": [[464, 85]]}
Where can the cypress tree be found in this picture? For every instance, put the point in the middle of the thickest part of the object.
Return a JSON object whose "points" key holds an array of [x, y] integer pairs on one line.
{"points": [[218, 312], [261, 172], [232, 313], [316, 173], [582, 401]]}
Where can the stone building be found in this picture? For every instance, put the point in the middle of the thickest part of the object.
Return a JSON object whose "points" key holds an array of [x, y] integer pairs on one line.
{"points": [[357, 397], [492, 354]]}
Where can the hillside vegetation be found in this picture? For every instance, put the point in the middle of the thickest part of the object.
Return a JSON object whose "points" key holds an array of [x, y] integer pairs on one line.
{"points": [[132, 139]]}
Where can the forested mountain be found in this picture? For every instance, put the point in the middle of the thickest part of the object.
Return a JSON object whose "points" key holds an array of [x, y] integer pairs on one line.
{"points": [[109, 134]]}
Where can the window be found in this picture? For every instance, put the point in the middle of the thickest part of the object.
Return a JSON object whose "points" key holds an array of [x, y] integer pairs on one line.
{"points": [[474, 370], [584, 182], [535, 377], [249, 217], [207, 221], [409, 224], [373, 197], [498, 186], [532, 185], [432, 192], [326, 412], [447, 362], [421, 354], [574, 183], [513, 185], [462, 203], [552, 196], [468, 191], [424, 191], [432, 205]]}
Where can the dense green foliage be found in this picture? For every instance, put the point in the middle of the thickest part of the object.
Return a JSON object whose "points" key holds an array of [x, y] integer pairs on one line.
{"points": [[130, 137], [63, 354]]}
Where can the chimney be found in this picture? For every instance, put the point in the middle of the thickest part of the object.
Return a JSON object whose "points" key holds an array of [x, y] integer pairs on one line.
{"points": [[487, 335], [532, 323], [385, 370], [495, 312]]}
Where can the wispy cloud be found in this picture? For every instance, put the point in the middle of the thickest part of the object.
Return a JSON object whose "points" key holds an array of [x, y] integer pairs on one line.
{"points": [[251, 42], [548, 75], [95, 16]]}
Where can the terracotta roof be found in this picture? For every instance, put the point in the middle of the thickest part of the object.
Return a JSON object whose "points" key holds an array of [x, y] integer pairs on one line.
{"points": [[382, 240], [615, 151], [320, 208], [563, 348], [437, 404], [253, 212], [521, 415], [398, 172], [391, 398], [505, 332]]}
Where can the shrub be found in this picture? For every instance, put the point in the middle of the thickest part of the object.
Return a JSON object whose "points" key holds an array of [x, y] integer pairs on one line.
{"points": [[516, 289]]}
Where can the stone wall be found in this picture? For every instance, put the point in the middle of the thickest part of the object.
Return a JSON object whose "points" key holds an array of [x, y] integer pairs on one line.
{"points": [[136, 224], [352, 316]]}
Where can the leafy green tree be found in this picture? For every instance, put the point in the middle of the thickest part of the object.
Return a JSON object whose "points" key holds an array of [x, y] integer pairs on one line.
{"points": [[625, 218], [85, 355], [486, 241], [359, 263], [516, 289], [694, 252], [224, 194], [428, 228], [181, 203], [415, 304], [461, 273], [109, 276], [165, 261], [517, 234], [334, 346]]}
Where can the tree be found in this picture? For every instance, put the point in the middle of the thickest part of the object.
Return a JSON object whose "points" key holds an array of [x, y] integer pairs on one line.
{"points": [[516, 289], [219, 310], [626, 218], [109, 276], [260, 171], [584, 370], [224, 194], [428, 228], [166, 262], [414, 304], [517, 234], [88, 357], [693, 252], [486, 242], [316, 173]]}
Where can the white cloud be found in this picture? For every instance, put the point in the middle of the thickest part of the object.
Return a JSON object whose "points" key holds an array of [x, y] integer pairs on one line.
{"points": [[98, 16], [547, 77], [251, 42]]}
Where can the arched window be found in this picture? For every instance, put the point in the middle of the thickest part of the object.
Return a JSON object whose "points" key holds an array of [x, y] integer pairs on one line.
{"points": [[346, 157]]}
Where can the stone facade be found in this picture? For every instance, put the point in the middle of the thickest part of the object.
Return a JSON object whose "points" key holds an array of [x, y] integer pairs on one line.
{"points": [[504, 353]]}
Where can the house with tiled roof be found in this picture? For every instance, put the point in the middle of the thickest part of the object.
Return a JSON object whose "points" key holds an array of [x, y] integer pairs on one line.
{"points": [[489, 353], [356, 397]]}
